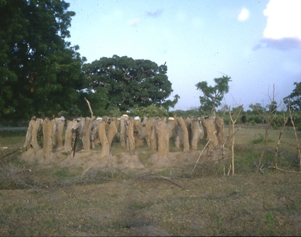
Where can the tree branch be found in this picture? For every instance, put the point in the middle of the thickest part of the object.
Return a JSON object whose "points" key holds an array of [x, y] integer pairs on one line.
{"points": [[89, 107]]}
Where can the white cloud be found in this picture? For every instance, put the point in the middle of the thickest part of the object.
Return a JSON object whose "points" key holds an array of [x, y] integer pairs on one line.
{"points": [[283, 19], [243, 15], [134, 22]]}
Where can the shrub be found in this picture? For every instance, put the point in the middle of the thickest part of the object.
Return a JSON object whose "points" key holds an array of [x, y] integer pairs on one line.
{"points": [[149, 111]]}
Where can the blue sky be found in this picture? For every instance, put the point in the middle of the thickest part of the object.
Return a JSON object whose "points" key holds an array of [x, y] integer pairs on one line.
{"points": [[256, 43]]}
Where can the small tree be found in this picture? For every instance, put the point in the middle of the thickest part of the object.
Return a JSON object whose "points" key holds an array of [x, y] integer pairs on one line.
{"points": [[234, 115], [213, 95], [268, 114], [149, 111], [293, 101]]}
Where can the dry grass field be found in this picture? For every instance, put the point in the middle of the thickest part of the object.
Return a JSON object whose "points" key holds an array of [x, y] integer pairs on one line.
{"points": [[57, 200]]}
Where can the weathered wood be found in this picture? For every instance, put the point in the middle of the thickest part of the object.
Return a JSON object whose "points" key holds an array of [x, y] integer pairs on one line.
{"points": [[105, 151], [162, 131], [148, 122], [86, 133], [47, 138], [112, 131], [209, 124], [196, 132], [123, 137], [130, 141], [219, 124], [60, 131], [153, 136], [28, 135], [68, 134], [185, 137]]}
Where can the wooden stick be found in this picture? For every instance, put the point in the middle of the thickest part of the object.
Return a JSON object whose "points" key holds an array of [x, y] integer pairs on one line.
{"points": [[229, 170], [274, 167], [279, 141], [75, 141], [89, 106], [11, 153], [201, 154], [167, 179], [233, 121], [296, 136], [88, 168], [229, 137]]}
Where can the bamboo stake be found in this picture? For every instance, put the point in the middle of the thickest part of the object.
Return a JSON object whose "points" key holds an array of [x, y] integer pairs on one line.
{"points": [[296, 137], [278, 144]]}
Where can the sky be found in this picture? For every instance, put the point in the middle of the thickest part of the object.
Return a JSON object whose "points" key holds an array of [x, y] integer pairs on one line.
{"points": [[255, 42]]}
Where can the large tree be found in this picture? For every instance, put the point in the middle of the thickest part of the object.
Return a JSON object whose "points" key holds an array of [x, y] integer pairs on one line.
{"points": [[213, 95], [131, 82], [40, 72], [294, 99]]}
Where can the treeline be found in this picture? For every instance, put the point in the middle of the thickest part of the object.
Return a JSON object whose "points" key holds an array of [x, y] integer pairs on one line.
{"points": [[251, 117], [42, 74]]}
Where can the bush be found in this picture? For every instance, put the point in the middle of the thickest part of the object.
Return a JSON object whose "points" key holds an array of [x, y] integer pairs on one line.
{"points": [[149, 111], [258, 139], [298, 127], [251, 122]]}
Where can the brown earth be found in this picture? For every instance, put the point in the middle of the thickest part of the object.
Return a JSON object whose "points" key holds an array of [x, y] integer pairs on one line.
{"points": [[123, 160], [139, 194], [147, 205]]}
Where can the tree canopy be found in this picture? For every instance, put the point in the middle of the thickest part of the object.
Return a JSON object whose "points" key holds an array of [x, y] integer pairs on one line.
{"points": [[131, 82], [40, 72], [294, 99], [213, 95]]}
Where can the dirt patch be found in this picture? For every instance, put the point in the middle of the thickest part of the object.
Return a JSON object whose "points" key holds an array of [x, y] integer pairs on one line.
{"points": [[130, 160]]}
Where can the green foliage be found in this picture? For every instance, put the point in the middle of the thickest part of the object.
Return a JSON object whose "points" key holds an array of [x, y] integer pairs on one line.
{"points": [[113, 111], [186, 113], [213, 95], [149, 111], [258, 139], [269, 223], [251, 122], [130, 82], [294, 99], [98, 101], [40, 72]]}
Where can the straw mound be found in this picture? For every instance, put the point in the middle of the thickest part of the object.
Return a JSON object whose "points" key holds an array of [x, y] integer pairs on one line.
{"points": [[121, 161]]}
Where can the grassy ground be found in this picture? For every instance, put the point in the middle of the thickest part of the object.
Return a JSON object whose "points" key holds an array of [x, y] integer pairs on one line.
{"points": [[41, 201]]}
